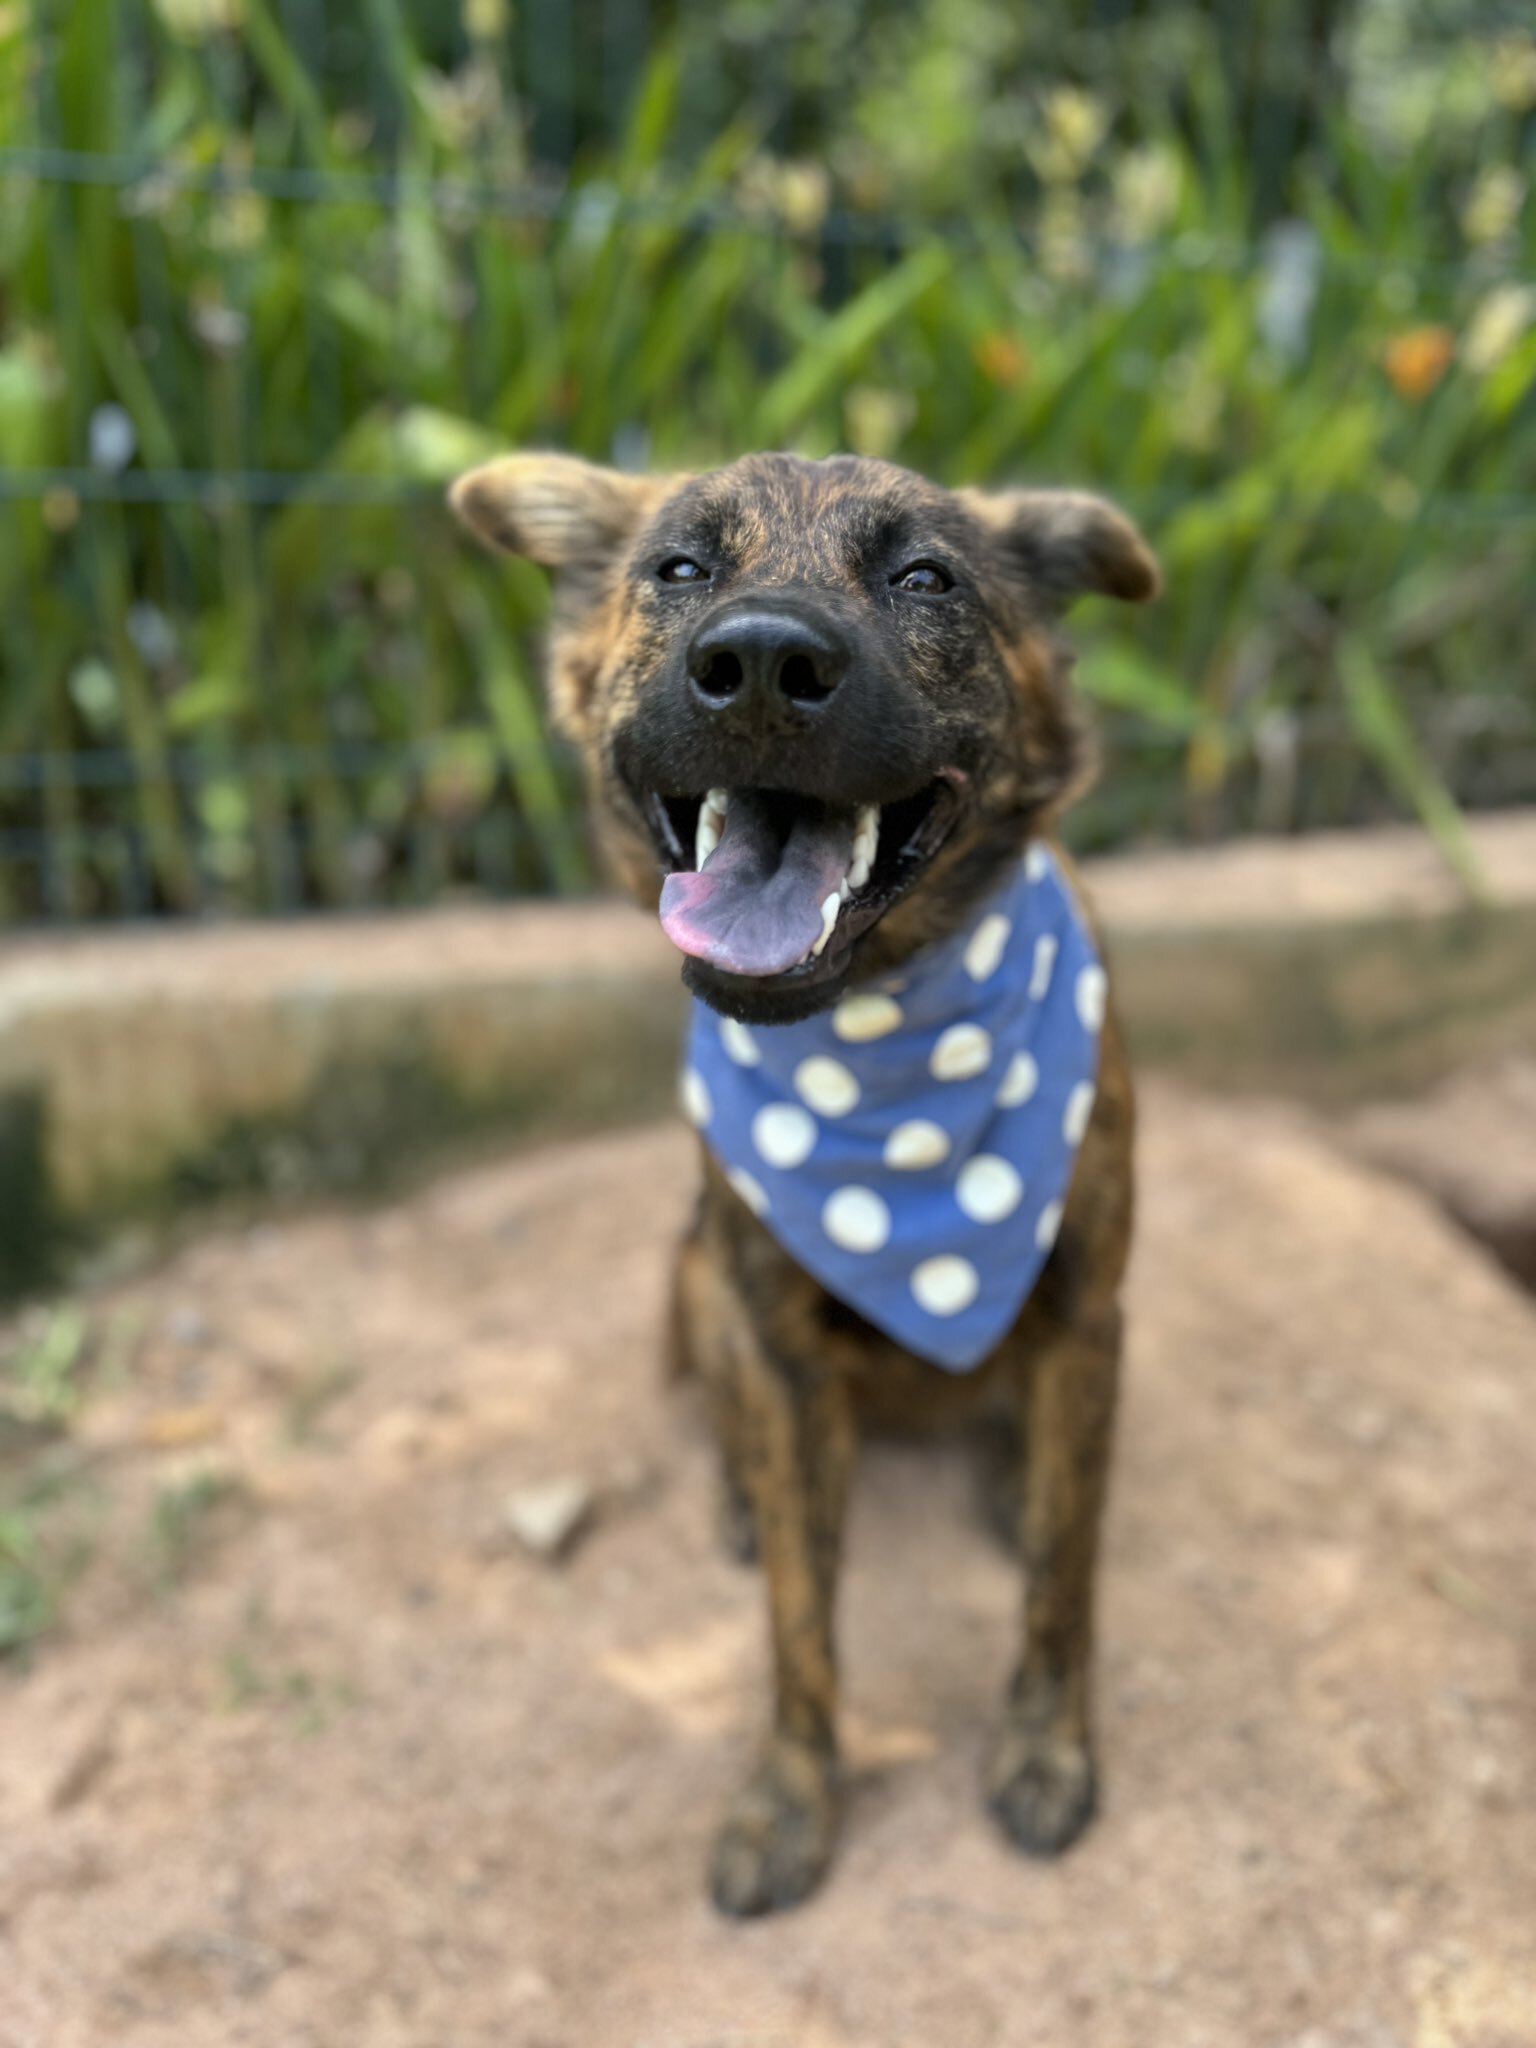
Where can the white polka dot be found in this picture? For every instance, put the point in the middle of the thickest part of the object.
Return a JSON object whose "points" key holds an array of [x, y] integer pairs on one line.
{"points": [[916, 1144], [1079, 1109], [962, 1051], [856, 1219], [1037, 862], [1045, 963], [988, 943], [859, 1018], [988, 1188], [1092, 988], [945, 1285], [783, 1134], [739, 1043], [1020, 1081], [694, 1096], [1047, 1227], [751, 1191], [826, 1085]]}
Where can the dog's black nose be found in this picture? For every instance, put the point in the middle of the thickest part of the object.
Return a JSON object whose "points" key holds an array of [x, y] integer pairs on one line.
{"points": [[763, 656]]}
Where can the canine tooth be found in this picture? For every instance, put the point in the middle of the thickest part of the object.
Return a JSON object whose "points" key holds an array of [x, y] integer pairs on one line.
{"points": [[829, 910], [711, 825], [866, 840], [718, 800]]}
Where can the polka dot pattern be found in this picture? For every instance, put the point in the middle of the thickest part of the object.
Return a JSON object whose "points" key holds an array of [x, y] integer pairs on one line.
{"points": [[988, 1188], [694, 1094], [1092, 993], [988, 943], [1020, 1081], [917, 1143], [739, 1043], [911, 1147], [1074, 1124], [826, 1085], [945, 1285], [859, 1019], [784, 1134], [856, 1219], [962, 1052], [751, 1191]]}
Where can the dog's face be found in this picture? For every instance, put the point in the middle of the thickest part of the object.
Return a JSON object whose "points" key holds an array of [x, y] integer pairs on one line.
{"points": [[821, 703]]}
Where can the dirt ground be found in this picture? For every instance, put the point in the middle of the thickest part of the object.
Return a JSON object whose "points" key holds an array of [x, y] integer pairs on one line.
{"points": [[319, 1755]]}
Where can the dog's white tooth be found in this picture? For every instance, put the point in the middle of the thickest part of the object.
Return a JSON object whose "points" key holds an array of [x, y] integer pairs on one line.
{"points": [[846, 886], [708, 835], [865, 840], [718, 800], [829, 910]]}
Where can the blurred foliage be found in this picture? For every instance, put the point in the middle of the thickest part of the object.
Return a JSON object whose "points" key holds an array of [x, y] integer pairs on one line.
{"points": [[271, 272]]}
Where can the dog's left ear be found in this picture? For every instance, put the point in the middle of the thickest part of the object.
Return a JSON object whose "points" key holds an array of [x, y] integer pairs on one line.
{"points": [[1068, 544], [568, 515]]}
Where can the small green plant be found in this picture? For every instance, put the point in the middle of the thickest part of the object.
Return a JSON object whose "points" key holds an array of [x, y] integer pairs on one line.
{"points": [[41, 1376], [254, 1675], [182, 1522], [27, 1593]]}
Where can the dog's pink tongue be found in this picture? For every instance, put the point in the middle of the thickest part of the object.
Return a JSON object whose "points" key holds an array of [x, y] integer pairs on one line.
{"points": [[755, 905]]}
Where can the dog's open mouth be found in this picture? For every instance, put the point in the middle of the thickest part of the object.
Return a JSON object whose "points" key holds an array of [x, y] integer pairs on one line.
{"points": [[766, 884]]}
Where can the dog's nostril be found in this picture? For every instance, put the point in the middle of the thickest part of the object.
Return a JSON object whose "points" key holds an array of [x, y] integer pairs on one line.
{"points": [[800, 683], [722, 678]]}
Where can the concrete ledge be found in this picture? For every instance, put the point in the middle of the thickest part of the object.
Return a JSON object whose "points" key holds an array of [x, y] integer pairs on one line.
{"points": [[145, 1072]]}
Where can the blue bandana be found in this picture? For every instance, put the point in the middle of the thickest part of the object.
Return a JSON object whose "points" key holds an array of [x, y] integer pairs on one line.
{"points": [[912, 1148]]}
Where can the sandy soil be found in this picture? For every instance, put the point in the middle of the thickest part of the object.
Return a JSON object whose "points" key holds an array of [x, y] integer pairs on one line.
{"points": [[320, 1756]]}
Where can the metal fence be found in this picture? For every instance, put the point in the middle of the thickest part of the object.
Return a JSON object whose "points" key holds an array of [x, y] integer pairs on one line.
{"points": [[271, 269]]}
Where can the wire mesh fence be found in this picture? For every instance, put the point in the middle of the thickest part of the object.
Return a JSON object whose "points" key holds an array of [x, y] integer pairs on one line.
{"points": [[271, 271]]}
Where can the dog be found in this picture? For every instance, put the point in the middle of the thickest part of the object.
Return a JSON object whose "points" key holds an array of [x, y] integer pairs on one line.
{"points": [[825, 713]]}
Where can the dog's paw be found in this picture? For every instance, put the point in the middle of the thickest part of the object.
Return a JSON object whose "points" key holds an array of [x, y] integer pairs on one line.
{"points": [[1043, 1791], [776, 1842]]}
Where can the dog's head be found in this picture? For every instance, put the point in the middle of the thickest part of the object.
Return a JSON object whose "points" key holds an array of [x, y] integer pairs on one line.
{"points": [[821, 703]]}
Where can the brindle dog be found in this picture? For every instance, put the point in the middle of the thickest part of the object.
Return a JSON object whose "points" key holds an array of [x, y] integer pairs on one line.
{"points": [[844, 633]]}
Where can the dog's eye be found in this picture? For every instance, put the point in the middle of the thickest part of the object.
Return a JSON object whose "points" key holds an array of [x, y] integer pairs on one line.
{"points": [[679, 569], [926, 578]]}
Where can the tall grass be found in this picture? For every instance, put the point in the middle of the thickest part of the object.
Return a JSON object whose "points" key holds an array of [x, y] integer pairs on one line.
{"points": [[250, 323]]}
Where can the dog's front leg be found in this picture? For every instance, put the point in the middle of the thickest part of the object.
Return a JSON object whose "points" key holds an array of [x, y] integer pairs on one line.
{"points": [[1042, 1783], [797, 1446]]}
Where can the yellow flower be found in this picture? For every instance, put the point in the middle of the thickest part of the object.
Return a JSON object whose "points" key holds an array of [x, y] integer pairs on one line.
{"points": [[875, 419], [1496, 325], [1512, 72], [484, 20], [195, 20], [798, 191], [1493, 205], [1418, 358], [1147, 185], [805, 193], [1001, 360], [1077, 123]]}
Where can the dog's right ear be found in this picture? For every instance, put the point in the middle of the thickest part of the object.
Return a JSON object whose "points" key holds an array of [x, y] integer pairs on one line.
{"points": [[568, 515]]}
